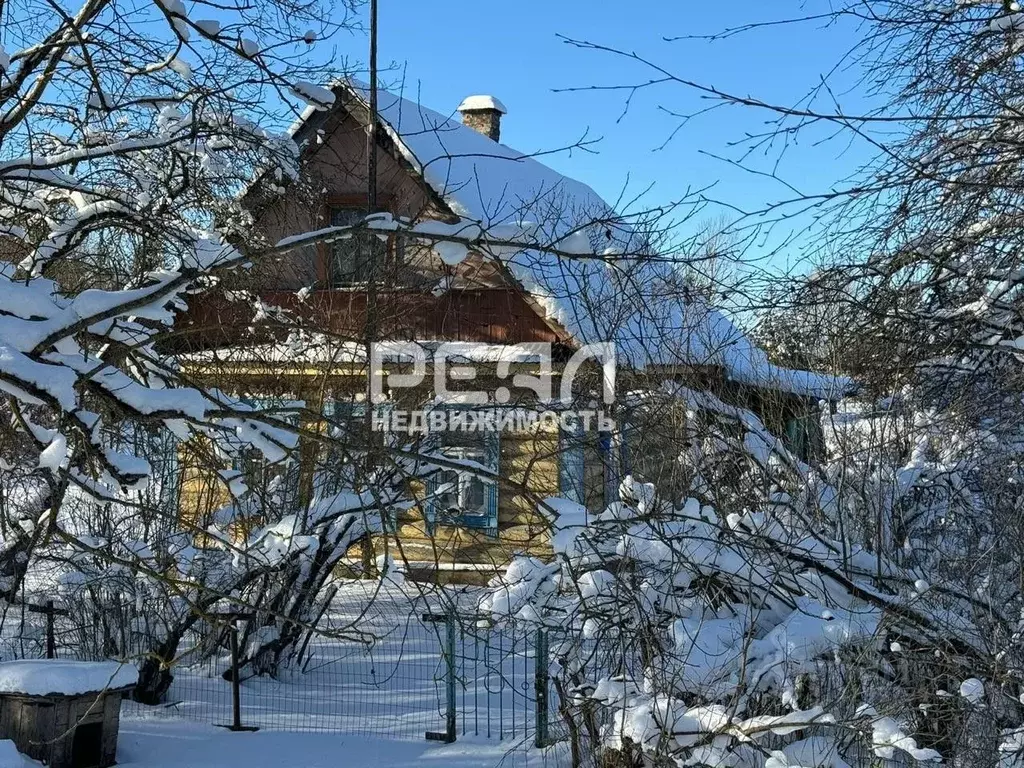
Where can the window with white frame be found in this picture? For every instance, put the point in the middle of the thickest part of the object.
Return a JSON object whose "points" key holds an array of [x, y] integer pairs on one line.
{"points": [[462, 493], [466, 497]]}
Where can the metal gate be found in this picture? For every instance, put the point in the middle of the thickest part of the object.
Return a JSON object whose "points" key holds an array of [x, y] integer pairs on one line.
{"points": [[496, 682]]}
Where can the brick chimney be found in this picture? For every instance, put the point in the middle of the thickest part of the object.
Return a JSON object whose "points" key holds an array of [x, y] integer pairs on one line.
{"points": [[483, 114]]}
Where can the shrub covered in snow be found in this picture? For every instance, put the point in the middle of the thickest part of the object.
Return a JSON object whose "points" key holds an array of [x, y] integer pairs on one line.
{"points": [[679, 634]]}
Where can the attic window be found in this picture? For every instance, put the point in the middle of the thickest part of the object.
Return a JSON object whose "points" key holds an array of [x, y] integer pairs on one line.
{"points": [[355, 260]]}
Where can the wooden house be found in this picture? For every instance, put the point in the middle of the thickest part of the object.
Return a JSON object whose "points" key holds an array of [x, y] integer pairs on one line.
{"points": [[484, 307]]}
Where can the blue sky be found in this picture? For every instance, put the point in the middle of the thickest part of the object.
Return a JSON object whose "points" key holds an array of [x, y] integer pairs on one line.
{"points": [[448, 49]]}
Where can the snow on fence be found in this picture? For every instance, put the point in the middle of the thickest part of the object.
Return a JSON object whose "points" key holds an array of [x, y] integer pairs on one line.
{"points": [[385, 663]]}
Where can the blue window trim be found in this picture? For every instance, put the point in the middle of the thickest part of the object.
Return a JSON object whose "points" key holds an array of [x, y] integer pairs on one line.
{"points": [[616, 459], [346, 412], [335, 410], [624, 433], [342, 413], [292, 471], [430, 501], [571, 464], [487, 522], [342, 410], [606, 448]]}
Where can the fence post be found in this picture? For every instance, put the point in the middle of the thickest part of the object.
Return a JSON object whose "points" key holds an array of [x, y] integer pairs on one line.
{"points": [[236, 683], [540, 686], [450, 724]]}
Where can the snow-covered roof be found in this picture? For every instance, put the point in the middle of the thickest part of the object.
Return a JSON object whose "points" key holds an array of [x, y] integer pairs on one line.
{"points": [[473, 103], [641, 304], [477, 178], [44, 677]]}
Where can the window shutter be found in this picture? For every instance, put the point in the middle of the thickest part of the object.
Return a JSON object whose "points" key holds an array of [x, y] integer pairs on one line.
{"points": [[383, 414], [292, 470], [627, 447], [432, 482], [607, 445], [430, 502], [619, 459], [337, 414], [571, 463], [493, 453]]}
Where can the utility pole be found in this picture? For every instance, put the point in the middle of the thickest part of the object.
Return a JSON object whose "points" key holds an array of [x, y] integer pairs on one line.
{"points": [[371, 134], [371, 286]]}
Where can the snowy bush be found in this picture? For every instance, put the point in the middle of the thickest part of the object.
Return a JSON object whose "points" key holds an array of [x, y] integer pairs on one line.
{"points": [[739, 641], [131, 135]]}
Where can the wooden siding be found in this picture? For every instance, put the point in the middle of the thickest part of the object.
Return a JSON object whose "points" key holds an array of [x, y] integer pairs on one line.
{"points": [[528, 466], [495, 316], [529, 470], [202, 489], [44, 727]]}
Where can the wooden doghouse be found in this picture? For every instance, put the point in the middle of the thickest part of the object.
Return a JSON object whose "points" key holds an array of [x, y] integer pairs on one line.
{"points": [[64, 713]]}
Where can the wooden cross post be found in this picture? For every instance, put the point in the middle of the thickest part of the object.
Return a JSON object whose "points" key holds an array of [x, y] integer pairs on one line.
{"points": [[49, 611]]}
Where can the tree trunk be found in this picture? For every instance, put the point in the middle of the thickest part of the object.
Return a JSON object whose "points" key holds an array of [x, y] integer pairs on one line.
{"points": [[155, 676]]}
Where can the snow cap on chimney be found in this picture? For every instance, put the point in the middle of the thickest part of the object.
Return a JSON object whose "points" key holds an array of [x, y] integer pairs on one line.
{"points": [[483, 114]]}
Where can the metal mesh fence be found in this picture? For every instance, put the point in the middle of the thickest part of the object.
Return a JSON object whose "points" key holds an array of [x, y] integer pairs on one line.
{"points": [[383, 662], [372, 668]]}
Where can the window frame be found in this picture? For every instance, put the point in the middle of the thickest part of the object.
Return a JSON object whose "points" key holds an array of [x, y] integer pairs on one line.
{"points": [[392, 251], [572, 463], [463, 481], [247, 458], [338, 413], [487, 520]]}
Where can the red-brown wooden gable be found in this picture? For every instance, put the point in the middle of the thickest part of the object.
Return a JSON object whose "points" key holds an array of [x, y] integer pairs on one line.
{"points": [[493, 315]]}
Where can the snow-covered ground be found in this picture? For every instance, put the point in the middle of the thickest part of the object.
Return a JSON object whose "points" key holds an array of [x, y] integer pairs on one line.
{"points": [[169, 743], [371, 702], [366, 692], [377, 669], [160, 743]]}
